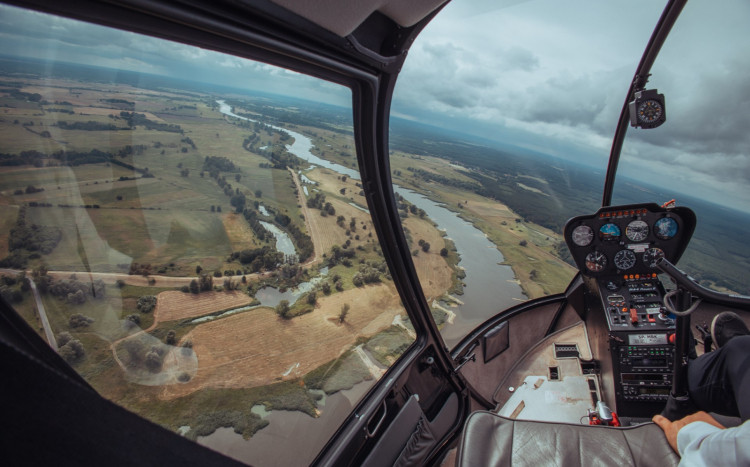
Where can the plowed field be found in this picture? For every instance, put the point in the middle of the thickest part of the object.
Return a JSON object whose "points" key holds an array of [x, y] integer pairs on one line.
{"points": [[173, 305], [257, 347]]}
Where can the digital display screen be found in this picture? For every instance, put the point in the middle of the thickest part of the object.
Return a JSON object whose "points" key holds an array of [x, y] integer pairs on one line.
{"points": [[638, 377], [659, 391], [647, 339], [649, 362]]}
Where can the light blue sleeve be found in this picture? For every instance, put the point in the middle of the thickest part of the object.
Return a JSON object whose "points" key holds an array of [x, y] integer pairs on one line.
{"points": [[702, 444]]}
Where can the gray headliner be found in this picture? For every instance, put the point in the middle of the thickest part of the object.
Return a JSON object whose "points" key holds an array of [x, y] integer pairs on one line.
{"points": [[342, 17]]}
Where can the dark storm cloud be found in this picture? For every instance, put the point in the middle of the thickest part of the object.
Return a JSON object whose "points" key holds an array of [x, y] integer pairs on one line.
{"points": [[560, 73]]}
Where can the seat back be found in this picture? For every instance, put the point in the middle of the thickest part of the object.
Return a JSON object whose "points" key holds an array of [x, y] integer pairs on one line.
{"points": [[492, 440]]}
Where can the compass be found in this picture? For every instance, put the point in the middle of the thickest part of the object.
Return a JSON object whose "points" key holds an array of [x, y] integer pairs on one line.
{"points": [[647, 110]]}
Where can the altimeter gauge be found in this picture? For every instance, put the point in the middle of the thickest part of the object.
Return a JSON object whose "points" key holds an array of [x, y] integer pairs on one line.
{"points": [[637, 231], [652, 255], [582, 235], [624, 260], [596, 261]]}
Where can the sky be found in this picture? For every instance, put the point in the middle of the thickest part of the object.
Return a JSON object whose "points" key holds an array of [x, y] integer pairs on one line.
{"points": [[546, 75]]}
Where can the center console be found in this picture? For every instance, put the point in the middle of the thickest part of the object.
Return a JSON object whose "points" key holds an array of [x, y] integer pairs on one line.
{"points": [[641, 334], [616, 250]]}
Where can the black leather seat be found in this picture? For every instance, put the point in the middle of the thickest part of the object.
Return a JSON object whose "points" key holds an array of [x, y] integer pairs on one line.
{"points": [[492, 440]]}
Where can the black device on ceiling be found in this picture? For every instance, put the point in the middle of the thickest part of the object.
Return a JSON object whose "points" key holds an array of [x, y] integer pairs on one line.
{"points": [[647, 110]]}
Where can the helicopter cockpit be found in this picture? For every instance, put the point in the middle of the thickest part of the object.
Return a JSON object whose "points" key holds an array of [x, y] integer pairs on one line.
{"points": [[280, 232]]}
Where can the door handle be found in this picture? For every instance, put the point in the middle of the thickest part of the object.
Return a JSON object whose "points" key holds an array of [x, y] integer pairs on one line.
{"points": [[371, 434]]}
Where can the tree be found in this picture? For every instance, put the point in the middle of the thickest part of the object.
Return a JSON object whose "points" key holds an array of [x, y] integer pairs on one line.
{"points": [[443, 252], [194, 287], [154, 359], [63, 338], [78, 320], [258, 193], [171, 337], [134, 348], [198, 269], [344, 312], [312, 298], [426, 247], [282, 309], [146, 303], [72, 351], [523, 243], [206, 282]]}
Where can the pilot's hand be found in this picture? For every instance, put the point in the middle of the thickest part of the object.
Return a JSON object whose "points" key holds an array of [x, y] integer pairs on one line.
{"points": [[671, 428]]}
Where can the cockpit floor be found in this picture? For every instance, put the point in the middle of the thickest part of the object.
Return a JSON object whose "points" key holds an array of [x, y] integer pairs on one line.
{"points": [[550, 383]]}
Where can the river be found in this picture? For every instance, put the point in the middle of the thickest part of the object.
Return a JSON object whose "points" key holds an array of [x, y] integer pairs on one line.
{"points": [[490, 289], [490, 285]]}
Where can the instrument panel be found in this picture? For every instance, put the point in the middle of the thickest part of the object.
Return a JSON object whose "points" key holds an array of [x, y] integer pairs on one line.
{"points": [[628, 240], [616, 250]]}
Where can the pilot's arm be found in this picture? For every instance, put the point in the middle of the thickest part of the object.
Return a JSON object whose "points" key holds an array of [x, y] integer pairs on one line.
{"points": [[701, 440]]}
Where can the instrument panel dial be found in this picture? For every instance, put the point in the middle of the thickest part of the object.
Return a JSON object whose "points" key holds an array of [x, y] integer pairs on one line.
{"points": [[596, 261], [624, 260], [665, 228], [651, 255], [637, 231], [609, 231], [582, 235]]}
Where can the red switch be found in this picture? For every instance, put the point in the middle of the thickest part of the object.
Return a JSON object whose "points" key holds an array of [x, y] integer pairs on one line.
{"points": [[633, 315], [672, 338]]}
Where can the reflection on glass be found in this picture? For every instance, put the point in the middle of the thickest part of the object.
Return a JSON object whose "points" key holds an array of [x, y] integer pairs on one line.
{"points": [[201, 254]]}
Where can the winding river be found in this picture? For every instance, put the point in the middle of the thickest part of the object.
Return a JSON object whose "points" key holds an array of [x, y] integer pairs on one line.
{"points": [[490, 289], [490, 285]]}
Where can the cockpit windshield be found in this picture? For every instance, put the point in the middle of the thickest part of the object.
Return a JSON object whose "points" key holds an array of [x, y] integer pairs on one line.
{"points": [[187, 229], [501, 130], [699, 156]]}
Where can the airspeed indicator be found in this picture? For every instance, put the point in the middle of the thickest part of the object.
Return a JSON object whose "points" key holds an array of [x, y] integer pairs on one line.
{"points": [[582, 235]]}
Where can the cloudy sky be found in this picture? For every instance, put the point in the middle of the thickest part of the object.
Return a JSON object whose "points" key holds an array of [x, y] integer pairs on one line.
{"points": [[552, 76], [542, 74]]}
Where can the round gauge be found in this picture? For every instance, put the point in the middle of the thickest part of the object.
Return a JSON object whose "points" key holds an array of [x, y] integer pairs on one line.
{"points": [[650, 111], [596, 261], [637, 231], [651, 255], [665, 228], [609, 232], [582, 235], [624, 260]]}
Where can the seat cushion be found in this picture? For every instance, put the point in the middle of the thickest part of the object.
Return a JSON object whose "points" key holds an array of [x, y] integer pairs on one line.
{"points": [[492, 440]]}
